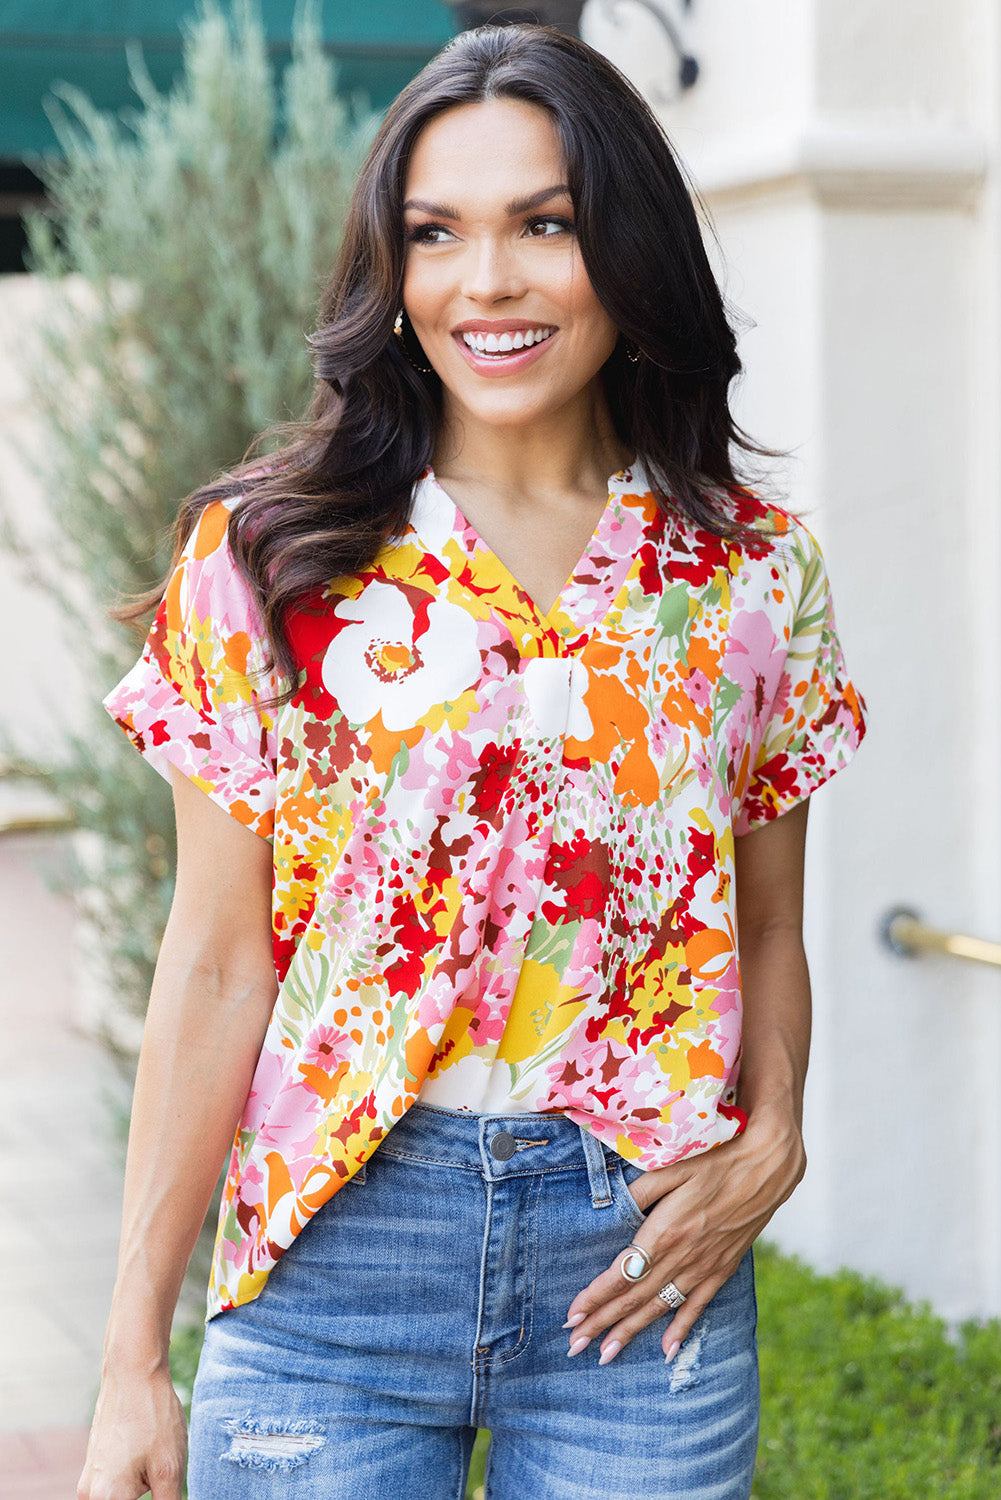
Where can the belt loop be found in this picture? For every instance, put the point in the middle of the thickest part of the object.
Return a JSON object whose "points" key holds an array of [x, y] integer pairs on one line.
{"points": [[597, 1169], [361, 1173]]}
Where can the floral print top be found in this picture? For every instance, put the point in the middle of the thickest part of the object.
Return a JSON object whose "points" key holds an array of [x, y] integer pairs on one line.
{"points": [[503, 839]]}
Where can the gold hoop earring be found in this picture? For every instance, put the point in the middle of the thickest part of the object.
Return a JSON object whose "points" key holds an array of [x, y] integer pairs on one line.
{"points": [[634, 355], [398, 330]]}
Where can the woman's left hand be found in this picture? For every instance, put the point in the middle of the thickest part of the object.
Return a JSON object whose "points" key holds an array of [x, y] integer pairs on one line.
{"points": [[706, 1212]]}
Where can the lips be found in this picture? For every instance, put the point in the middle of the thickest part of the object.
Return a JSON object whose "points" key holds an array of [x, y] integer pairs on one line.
{"points": [[504, 362]]}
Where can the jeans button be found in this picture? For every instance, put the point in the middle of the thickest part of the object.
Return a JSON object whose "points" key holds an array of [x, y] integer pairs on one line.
{"points": [[502, 1146]]}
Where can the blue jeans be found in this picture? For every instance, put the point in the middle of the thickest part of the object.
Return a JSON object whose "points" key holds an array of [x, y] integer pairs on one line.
{"points": [[427, 1300]]}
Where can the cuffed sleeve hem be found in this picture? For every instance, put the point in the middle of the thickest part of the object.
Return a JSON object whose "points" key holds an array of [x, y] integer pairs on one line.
{"points": [[788, 778], [167, 731]]}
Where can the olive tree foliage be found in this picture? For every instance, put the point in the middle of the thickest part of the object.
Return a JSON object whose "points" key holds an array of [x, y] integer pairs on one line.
{"points": [[182, 248]]}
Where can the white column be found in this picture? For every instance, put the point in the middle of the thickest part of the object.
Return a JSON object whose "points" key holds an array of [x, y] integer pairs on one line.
{"points": [[847, 154]]}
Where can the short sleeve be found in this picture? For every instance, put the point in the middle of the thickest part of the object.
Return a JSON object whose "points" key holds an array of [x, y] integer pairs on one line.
{"points": [[816, 719], [194, 698]]}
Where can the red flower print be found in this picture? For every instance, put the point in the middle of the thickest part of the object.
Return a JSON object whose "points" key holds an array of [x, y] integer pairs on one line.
{"points": [[580, 869], [780, 775], [490, 781], [413, 935], [697, 557]]}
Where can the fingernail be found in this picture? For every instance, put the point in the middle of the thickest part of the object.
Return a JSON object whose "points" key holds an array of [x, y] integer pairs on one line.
{"points": [[609, 1352], [574, 1319], [577, 1346], [672, 1352]]}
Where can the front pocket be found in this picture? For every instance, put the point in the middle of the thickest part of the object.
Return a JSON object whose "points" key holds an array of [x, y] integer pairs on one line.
{"points": [[621, 1174]]}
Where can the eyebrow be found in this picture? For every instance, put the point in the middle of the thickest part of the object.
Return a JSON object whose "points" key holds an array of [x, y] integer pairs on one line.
{"points": [[516, 206]]}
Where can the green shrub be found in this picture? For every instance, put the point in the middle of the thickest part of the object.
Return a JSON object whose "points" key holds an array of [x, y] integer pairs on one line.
{"points": [[182, 250], [864, 1396]]}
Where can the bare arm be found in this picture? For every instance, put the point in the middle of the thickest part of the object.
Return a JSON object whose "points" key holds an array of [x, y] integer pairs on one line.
{"points": [[775, 981], [212, 997], [705, 1211]]}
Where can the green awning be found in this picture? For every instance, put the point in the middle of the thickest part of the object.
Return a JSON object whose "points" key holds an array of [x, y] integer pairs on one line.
{"points": [[379, 46]]}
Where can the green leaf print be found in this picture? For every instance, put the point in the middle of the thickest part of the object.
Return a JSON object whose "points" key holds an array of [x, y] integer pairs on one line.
{"points": [[811, 611], [306, 986], [552, 945], [725, 699], [399, 766], [673, 615]]}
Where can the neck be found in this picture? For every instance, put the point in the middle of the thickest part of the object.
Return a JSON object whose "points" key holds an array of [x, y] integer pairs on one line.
{"points": [[575, 449]]}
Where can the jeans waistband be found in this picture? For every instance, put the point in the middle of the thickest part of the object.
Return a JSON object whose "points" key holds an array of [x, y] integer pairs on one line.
{"points": [[501, 1146]]}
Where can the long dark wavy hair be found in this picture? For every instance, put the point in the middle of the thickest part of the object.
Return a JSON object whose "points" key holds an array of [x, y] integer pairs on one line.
{"points": [[343, 479]]}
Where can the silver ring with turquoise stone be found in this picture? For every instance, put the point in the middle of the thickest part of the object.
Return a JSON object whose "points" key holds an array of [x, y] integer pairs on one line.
{"points": [[636, 1263]]}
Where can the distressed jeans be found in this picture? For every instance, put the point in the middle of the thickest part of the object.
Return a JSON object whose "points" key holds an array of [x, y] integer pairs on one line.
{"points": [[427, 1298]]}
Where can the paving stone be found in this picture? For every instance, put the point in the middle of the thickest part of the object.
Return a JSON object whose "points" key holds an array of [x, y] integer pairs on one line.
{"points": [[30, 1405], [42, 1465], [60, 1170]]}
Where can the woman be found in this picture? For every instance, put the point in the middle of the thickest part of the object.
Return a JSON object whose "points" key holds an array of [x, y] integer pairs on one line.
{"points": [[514, 697]]}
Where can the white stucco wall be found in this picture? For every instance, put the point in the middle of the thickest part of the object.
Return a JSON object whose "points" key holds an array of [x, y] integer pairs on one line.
{"points": [[30, 620], [848, 157]]}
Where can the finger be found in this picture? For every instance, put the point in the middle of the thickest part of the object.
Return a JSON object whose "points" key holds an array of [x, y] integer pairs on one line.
{"points": [[669, 1232], [619, 1319], [622, 1332], [647, 1190], [611, 1296], [606, 1304], [165, 1477], [677, 1329], [683, 1321], [608, 1297], [612, 1281]]}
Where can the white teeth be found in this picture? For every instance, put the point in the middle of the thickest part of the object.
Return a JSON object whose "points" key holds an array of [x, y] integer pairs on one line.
{"points": [[491, 343]]}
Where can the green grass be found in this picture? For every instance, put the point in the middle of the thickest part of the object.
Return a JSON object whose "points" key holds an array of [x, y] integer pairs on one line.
{"points": [[474, 1489], [864, 1395]]}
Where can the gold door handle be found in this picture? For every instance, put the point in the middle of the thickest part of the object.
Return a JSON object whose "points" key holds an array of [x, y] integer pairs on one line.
{"points": [[904, 932], [18, 823], [42, 823]]}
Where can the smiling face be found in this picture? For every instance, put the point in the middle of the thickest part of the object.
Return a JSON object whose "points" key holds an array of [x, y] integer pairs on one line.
{"points": [[494, 282]]}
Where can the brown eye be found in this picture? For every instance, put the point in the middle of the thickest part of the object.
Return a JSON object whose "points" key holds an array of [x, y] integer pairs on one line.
{"points": [[562, 225], [421, 233]]}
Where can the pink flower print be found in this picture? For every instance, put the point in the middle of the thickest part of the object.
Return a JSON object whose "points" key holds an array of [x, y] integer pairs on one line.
{"points": [[324, 1060], [699, 688], [752, 643]]}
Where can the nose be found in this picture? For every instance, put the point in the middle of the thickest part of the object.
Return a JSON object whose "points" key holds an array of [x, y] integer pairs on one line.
{"points": [[491, 271]]}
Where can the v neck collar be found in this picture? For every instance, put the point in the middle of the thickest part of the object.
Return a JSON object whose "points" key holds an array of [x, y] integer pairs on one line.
{"points": [[589, 591]]}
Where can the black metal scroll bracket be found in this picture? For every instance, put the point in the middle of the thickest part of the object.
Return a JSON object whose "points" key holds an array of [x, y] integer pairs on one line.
{"points": [[688, 66]]}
